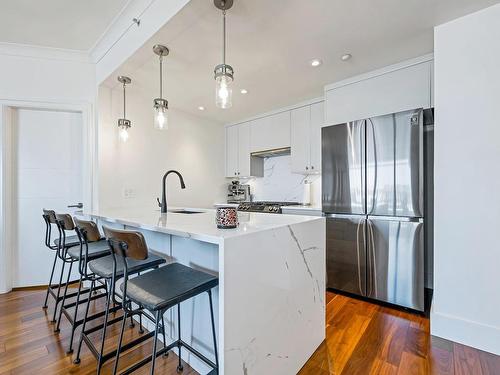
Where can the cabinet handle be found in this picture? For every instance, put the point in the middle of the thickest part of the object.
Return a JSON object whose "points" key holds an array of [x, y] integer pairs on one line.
{"points": [[238, 173], [307, 168], [235, 173], [312, 166]]}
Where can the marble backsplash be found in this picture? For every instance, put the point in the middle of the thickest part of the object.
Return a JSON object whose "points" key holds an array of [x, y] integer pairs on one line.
{"points": [[280, 184]]}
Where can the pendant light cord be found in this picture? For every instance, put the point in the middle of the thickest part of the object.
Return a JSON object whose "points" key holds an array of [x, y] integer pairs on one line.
{"points": [[224, 37], [161, 76], [124, 101]]}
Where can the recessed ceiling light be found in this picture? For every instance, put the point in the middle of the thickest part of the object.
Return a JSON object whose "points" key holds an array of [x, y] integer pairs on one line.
{"points": [[346, 57], [201, 108], [244, 91], [316, 62]]}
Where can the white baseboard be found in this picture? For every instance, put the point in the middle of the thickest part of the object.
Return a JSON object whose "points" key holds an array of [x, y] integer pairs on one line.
{"points": [[466, 332]]}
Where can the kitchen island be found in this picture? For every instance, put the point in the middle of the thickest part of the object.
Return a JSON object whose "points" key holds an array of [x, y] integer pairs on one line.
{"points": [[269, 305]]}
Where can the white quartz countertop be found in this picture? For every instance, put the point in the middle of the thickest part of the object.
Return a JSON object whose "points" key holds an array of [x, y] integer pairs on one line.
{"points": [[198, 226]]}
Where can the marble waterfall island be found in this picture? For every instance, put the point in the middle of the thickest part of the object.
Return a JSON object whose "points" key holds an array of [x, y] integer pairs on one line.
{"points": [[270, 302]]}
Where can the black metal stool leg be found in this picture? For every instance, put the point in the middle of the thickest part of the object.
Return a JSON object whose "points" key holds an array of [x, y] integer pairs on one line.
{"points": [[213, 329], [57, 330], [120, 340], [155, 342], [164, 336], [141, 330], [58, 293], [77, 359], [101, 352], [75, 315], [179, 366], [50, 280]]}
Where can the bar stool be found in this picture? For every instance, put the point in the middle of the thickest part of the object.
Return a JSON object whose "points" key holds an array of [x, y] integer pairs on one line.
{"points": [[107, 270], [49, 216], [157, 291], [91, 246]]}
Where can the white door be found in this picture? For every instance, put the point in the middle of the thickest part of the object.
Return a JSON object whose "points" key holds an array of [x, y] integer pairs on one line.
{"points": [[47, 150], [317, 121], [300, 139], [232, 151], [244, 158]]}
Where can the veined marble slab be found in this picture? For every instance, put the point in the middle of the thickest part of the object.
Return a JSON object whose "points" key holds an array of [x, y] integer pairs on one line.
{"points": [[199, 226], [270, 300]]}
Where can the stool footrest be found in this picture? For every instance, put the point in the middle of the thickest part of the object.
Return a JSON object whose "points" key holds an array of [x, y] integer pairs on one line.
{"points": [[166, 349]]}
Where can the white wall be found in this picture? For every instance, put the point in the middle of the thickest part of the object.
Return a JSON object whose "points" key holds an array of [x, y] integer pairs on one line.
{"points": [[48, 78], [45, 74], [191, 145], [466, 304]]}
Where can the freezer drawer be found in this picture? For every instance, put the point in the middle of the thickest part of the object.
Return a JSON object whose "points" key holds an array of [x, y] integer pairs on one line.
{"points": [[343, 171], [346, 254], [395, 261], [394, 164]]}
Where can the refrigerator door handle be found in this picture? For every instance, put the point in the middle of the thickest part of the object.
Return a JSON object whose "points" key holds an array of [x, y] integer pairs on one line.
{"points": [[362, 220], [372, 261], [362, 158], [375, 166]]}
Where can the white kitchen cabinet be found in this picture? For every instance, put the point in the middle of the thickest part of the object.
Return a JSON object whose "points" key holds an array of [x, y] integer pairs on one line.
{"points": [[244, 158], [270, 132], [232, 142], [317, 121], [239, 162], [305, 127], [393, 89], [300, 139]]}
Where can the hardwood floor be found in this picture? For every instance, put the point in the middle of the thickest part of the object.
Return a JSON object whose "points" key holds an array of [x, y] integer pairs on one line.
{"points": [[28, 344], [361, 338]]}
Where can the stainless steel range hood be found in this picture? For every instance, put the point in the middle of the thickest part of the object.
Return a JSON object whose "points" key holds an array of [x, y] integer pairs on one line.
{"points": [[271, 153]]}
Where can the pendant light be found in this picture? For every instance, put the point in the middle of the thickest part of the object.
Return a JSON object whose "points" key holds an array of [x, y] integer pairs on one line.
{"points": [[123, 123], [160, 105], [223, 72]]}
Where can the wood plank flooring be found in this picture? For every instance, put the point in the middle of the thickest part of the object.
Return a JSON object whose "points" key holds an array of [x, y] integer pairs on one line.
{"points": [[28, 344], [361, 338]]}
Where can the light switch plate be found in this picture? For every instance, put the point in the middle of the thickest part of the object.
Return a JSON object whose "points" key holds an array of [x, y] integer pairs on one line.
{"points": [[129, 193]]}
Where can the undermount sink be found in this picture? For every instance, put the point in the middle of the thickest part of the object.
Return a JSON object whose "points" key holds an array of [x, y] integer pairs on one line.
{"points": [[183, 211]]}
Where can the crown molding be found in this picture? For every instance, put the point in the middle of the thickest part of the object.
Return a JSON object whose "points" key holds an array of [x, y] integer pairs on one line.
{"points": [[40, 52]]}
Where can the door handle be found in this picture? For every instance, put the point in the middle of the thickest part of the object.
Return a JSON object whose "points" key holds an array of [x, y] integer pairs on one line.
{"points": [[78, 205], [357, 252]]}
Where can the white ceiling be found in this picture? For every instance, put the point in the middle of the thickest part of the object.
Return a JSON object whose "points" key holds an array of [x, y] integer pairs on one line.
{"points": [[68, 24], [271, 42]]}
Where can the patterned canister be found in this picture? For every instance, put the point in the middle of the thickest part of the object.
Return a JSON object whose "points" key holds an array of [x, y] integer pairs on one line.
{"points": [[226, 216]]}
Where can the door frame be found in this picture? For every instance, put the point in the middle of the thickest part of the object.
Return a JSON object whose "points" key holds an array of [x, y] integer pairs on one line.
{"points": [[89, 169]]}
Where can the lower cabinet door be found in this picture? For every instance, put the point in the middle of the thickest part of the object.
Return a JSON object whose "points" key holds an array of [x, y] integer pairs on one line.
{"points": [[345, 254], [395, 261]]}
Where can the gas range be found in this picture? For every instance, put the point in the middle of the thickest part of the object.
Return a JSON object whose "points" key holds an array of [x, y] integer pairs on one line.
{"points": [[265, 206]]}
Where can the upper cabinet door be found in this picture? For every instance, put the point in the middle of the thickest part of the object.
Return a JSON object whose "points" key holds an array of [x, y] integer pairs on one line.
{"points": [[395, 91], [232, 151], [244, 161], [317, 121], [300, 139], [270, 132]]}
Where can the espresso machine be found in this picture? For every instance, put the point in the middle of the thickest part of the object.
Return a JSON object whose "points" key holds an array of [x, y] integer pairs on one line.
{"points": [[238, 193]]}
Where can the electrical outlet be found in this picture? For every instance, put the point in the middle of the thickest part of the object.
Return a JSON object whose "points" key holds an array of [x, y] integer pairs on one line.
{"points": [[129, 193]]}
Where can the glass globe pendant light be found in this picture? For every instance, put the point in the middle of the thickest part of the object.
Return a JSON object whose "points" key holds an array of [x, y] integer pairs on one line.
{"points": [[160, 105], [223, 72], [124, 124]]}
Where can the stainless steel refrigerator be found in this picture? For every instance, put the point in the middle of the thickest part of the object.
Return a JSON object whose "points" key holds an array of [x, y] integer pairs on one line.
{"points": [[372, 196]]}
